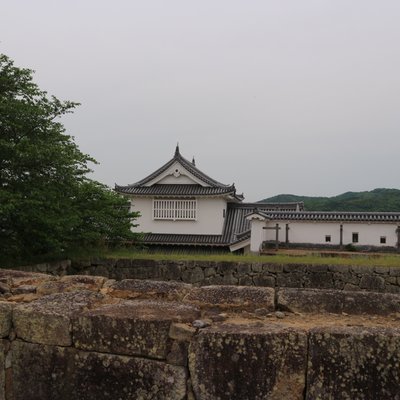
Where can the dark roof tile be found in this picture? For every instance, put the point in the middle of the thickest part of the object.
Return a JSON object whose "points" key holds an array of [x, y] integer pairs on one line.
{"points": [[344, 216], [175, 190], [186, 164]]}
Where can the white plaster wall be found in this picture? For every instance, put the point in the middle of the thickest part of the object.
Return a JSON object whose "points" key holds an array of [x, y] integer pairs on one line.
{"points": [[258, 235], [176, 180], [210, 218], [315, 232], [175, 167], [369, 234]]}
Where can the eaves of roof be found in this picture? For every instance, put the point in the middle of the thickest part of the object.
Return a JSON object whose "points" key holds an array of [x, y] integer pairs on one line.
{"points": [[189, 166], [182, 239], [236, 223], [176, 190], [331, 216]]}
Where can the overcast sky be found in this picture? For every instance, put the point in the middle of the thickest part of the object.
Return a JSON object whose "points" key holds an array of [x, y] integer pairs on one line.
{"points": [[282, 96]]}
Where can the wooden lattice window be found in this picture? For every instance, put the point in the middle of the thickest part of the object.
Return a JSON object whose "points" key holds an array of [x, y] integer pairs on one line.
{"points": [[171, 209]]}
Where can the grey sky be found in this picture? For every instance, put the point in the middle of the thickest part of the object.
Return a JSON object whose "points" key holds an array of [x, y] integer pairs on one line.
{"points": [[277, 96]]}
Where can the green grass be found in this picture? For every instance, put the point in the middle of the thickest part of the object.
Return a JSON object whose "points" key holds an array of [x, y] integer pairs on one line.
{"points": [[392, 260]]}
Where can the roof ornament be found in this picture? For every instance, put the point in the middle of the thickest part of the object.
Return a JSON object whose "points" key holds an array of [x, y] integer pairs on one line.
{"points": [[177, 150], [193, 161]]}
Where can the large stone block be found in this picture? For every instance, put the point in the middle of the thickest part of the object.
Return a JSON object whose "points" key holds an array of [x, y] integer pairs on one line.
{"points": [[172, 271], [48, 373], [18, 278], [2, 370], [322, 280], [193, 275], [71, 283], [131, 327], [264, 279], [248, 363], [5, 319], [232, 297], [354, 363], [290, 279], [273, 268], [372, 282], [139, 289], [48, 319], [334, 301]]}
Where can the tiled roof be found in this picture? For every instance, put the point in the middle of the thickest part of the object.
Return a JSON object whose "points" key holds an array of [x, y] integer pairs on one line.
{"points": [[333, 216], [180, 239], [186, 164], [176, 190], [236, 227], [236, 222]]}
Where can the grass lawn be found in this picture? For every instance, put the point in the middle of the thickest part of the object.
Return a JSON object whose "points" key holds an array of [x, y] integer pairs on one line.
{"points": [[281, 257]]}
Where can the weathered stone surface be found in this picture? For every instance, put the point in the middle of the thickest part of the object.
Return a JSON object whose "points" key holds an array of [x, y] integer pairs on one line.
{"points": [[243, 268], [371, 303], [264, 280], [248, 362], [379, 269], [131, 327], [225, 273], [248, 281], [182, 332], [49, 373], [338, 268], [71, 283], [294, 267], [334, 301], [322, 280], [232, 297], [362, 269], [315, 268], [209, 271], [23, 289], [394, 271], [5, 319], [275, 268], [172, 271], [256, 267], [225, 266], [353, 363], [2, 370], [229, 279], [292, 279], [350, 287], [48, 319], [139, 289], [193, 275], [17, 278], [372, 282], [178, 354], [4, 288]]}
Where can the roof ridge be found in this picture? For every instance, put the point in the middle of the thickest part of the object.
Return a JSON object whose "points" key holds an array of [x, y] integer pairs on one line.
{"points": [[189, 166]]}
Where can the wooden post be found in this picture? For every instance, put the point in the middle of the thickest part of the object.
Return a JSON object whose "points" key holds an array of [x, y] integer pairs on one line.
{"points": [[276, 229], [398, 238], [341, 236], [287, 235]]}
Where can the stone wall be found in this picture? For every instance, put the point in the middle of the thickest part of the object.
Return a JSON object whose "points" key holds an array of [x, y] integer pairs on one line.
{"points": [[86, 337], [364, 277], [202, 273]]}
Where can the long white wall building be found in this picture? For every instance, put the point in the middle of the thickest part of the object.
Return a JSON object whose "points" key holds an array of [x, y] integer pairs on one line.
{"points": [[181, 205]]}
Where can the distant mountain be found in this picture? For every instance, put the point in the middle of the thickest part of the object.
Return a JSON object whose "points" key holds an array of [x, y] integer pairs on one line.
{"points": [[375, 200]]}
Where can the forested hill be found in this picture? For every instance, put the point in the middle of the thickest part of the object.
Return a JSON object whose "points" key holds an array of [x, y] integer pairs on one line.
{"points": [[375, 200]]}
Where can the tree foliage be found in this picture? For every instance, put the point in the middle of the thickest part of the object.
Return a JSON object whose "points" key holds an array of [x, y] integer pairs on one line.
{"points": [[48, 205], [384, 200]]}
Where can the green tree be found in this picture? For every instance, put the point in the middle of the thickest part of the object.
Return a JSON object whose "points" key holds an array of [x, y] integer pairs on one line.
{"points": [[48, 205]]}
